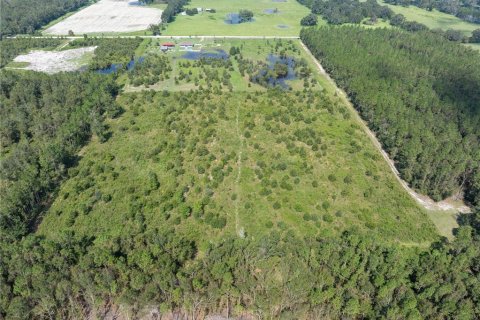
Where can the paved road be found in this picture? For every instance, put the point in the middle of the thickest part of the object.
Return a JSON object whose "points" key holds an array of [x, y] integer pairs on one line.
{"points": [[168, 37]]}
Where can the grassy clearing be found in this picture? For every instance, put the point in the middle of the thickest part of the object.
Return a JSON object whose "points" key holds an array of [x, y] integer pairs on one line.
{"points": [[475, 46], [211, 164], [445, 221], [434, 19], [290, 14]]}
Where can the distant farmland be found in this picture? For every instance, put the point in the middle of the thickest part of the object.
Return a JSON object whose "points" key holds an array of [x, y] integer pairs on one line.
{"points": [[108, 16]]}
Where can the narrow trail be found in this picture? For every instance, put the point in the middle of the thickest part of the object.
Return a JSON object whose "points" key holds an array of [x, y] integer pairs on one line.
{"points": [[238, 230], [423, 200]]}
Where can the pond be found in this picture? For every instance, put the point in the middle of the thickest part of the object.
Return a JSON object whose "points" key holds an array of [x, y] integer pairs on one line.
{"points": [[283, 26], [271, 11], [115, 67], [281, 82], [206, 54], [137, 3], [232, 18]]}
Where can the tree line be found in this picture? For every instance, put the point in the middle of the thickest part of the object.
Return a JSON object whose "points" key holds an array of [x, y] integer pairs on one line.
{"points": [[419, 93], [10, 48], [44, 121], [173, 8], [27, 16]]}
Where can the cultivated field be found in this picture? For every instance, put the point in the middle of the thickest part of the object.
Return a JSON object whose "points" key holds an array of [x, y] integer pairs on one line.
{"points": [[285, 22], [54, 61], [108, 16], [434, 19]]}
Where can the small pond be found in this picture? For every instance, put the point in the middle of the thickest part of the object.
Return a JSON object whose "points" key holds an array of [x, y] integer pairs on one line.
{"points": [[281, 82], [137, 3], [283, 26], [234, 18], [271, 11], [115, 67], [206, 54]]}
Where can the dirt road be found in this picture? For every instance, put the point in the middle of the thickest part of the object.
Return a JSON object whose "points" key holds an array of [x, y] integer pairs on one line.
{"points": [[423, 200]]}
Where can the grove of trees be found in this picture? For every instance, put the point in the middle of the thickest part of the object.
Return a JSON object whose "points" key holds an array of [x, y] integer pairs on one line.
{"points": [[26, 16], [44, 121], [419, 93]]}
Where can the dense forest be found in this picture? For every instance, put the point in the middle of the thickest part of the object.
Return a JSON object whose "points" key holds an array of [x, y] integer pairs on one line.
{"points": [[419, 93], [468, 10], [173, 8], [279, 276], [44, 121], [26, 16]]}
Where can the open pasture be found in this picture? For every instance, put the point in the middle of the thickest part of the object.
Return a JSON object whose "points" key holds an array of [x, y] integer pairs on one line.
{"points": [[434, 19], [108, 16], [271, 18]]}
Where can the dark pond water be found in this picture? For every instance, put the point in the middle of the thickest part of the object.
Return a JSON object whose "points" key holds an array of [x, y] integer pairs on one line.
{"points": [[289, 62], [270, 11], [204, 54], [136, 3], [232, 18], [114, 68]]}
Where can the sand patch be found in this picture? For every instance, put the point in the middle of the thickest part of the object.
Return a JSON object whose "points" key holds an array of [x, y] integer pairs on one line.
{"points": [[54, 61]]}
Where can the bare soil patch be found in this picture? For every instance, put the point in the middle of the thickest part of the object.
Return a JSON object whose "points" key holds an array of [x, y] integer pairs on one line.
{"points": [[108, 16], [54, 61]]}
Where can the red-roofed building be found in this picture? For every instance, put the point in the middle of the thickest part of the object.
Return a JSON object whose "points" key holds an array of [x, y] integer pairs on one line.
{"points": [[167, 46]]}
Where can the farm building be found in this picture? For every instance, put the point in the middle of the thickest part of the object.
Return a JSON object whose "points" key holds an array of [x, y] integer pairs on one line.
{"points": [[186, 45], [167, 46]]}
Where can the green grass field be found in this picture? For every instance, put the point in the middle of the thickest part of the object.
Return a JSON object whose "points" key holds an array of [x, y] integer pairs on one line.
{"points": [[289, 16], [434, 19]]}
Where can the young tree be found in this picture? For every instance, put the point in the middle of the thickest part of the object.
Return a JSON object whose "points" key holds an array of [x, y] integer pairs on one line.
{"points": [[309, 20], [245, 15]]}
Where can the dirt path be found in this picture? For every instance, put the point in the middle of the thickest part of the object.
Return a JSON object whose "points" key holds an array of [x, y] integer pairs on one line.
{"points": [[238, 229], [423, 200]]}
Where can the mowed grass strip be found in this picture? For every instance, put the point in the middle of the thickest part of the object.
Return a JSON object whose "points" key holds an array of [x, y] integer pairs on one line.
{"points": [[214, 164], [284, 23]]}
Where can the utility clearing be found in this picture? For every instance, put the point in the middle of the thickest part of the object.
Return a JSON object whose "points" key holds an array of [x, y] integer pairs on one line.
{"points": [[108, 16], [55, 61]]}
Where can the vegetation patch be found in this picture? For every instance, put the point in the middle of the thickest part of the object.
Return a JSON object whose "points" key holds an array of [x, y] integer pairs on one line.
{"points": [[210, 164]]}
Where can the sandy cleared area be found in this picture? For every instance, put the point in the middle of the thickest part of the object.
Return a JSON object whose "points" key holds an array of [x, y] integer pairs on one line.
{"points": [[54, 61], [108, 16]]}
